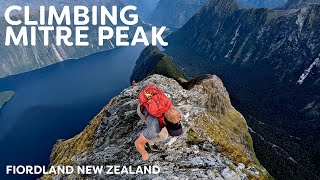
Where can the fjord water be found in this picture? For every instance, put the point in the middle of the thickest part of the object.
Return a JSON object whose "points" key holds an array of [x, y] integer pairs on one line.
{"points": [[57, 102]]}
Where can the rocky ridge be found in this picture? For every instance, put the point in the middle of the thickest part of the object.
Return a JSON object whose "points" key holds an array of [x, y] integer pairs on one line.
{"points": [[153, 61], [216, 143]]}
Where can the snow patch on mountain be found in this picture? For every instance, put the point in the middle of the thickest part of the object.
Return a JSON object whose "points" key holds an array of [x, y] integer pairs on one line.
{"points": [[316, 63]]}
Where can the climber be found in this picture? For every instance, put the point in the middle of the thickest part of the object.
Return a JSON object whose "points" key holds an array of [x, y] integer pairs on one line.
{"points": [[161, 117]]}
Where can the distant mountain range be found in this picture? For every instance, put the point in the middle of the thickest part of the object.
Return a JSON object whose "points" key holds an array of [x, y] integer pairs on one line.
{"points": [[175, 13], [145, 7], [296, 4], [269, 61], [59, 4]]}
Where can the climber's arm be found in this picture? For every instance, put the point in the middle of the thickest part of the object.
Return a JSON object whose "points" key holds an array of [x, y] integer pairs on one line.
{"points": [[139, 143]]}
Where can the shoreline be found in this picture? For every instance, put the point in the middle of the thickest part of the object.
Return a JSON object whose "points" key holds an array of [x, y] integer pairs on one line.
{"points": [[5, 96]]}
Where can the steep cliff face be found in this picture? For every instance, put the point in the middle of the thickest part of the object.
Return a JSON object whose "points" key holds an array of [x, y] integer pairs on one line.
{"points": [[153, 61], [236, 36], [216, 142], [18, 59], [175, 13], [297, 4], [269, 61]]}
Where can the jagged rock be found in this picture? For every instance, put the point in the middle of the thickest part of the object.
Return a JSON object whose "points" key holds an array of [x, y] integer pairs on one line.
{"points": [[109, 138]]}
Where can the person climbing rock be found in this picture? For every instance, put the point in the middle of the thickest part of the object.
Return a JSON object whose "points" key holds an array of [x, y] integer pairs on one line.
{"points": [[161, 117]]}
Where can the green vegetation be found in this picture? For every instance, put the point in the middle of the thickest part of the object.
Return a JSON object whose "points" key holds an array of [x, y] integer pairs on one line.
{"points": [[5, 97], [230, 134], [225, 127], [192, 137], [153, 61]]}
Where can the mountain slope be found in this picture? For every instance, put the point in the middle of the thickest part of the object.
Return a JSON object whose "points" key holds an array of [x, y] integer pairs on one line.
{"points": [[175, 13], [145, 7], [153, 61], [261, 3], [211, 125], [59, 4], [297, 4], [269, 61]]}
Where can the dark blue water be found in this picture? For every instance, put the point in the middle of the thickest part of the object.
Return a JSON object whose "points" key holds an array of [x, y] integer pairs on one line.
{"points": [[57, 102]]}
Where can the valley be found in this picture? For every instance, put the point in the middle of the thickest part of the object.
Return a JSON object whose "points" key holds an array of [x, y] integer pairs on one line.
{"points": [[262, 55]]}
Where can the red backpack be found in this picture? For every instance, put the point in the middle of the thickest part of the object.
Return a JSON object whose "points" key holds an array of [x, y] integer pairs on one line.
{"points": [[155, 102]]}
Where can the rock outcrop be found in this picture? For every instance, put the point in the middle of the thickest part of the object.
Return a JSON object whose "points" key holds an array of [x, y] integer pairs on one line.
{"points": [[5, 97], [215, 144], [153, 61]]}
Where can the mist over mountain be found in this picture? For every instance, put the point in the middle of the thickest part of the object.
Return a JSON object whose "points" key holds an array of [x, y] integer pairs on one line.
{"points": [[269, 61], [175, 13]]}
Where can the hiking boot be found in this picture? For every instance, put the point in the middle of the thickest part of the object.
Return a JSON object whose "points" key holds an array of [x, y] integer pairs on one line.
{"points": [[153, 148]]}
